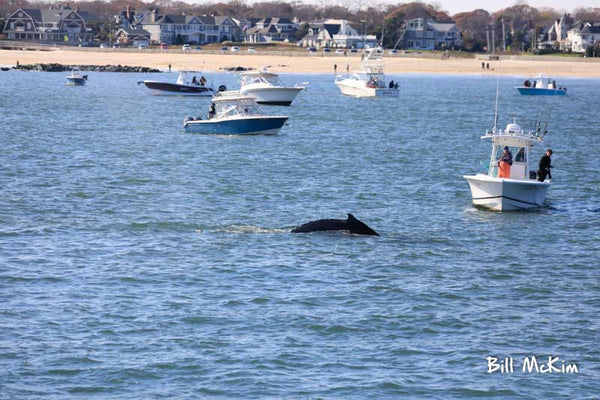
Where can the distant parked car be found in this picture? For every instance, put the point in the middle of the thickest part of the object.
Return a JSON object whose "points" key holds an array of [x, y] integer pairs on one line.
{"points": [[340, 51], [235, 48], [116, 45], [142, 47], [326, 50], [164, 46], [224, 48], [104, 46], [311, 49], [353, 51], [393, 51], [186, 47], [86, 44], [197, 47], [251, 50]]}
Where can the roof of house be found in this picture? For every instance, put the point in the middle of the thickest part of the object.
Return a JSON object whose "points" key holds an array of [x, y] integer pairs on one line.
{"points": [[51, 15], [181, 19], [587, 27], [135, 32]]}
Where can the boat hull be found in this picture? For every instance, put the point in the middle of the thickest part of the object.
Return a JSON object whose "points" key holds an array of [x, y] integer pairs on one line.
{"points": [[174, 89], [264, 125], [530, 91], [281, 96], [506, 194], [363, 91], [76, 81]]}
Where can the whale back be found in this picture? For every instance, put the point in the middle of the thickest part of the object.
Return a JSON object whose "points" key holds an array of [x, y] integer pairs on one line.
{"points": [[322, 225], [351, 225]]}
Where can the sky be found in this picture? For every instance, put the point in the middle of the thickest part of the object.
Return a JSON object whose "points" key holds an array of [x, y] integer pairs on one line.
{"points": [[456, 6]]}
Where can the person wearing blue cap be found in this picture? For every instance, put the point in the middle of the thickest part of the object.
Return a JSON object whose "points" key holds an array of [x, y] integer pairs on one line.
{"points": [[504, 163]]}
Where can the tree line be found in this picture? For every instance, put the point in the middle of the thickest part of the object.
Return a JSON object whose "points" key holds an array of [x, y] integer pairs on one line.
{"points": [[509, 27]]}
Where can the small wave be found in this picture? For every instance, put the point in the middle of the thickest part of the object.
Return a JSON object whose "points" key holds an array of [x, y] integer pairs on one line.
{"points": [[250, 229], [65, 372]]}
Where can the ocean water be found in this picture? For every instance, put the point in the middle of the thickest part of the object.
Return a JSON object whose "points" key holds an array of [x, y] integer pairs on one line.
{"points": [[137, 261]]}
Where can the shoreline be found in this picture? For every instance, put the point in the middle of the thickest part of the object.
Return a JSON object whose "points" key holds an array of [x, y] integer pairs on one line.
{"points": [[304, 64]]}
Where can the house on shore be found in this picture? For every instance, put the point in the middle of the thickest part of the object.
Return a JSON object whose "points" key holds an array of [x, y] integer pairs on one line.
{"points": [[568, 35], [129, 34], [192, 29], [272, 29], [555, 36], [336, 33], [583, 35], [427, 34], [56, 24]]}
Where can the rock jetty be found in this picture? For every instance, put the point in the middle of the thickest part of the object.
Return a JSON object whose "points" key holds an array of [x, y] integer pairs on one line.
{"points": [[53, 67], [236, 69]]}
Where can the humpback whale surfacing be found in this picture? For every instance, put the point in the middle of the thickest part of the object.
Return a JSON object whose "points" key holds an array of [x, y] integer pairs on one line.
{"points": [[351, 225]]}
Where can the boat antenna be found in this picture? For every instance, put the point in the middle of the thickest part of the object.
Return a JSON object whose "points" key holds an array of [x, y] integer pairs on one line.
{"points": [[496, 111], [538, 122]]}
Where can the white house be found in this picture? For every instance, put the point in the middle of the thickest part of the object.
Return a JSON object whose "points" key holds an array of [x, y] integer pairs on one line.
{"points": [[193, 29], [336, 33], [583, 35]]}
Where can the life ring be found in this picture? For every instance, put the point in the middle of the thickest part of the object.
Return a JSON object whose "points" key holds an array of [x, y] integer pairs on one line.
{"points": [[222, 88]]}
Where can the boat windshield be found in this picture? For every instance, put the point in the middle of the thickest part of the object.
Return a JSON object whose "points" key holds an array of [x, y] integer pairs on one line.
{"points": [[270, 79], [519, 168], [190, 78], [242, 107]]}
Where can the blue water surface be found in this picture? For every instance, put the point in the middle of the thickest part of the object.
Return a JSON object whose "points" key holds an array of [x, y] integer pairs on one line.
{"points": [[138, 261]]}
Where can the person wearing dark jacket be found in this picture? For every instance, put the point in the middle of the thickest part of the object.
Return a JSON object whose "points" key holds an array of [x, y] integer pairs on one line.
{"points": [[545, 166]]}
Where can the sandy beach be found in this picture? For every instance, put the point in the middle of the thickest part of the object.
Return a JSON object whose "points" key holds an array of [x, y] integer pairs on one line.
{"points": [[301, 64]]}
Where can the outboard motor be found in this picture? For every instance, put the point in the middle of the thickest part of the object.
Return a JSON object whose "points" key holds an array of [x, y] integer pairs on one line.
{"points": [[222, 88], [187, 119]]}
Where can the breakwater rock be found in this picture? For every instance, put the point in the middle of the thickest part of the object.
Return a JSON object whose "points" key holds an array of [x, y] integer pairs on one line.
{"points": [[236, 69], [53, 67]]}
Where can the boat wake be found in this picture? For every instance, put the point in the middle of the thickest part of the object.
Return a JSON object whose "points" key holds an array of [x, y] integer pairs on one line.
{"points": [[250, 229]]}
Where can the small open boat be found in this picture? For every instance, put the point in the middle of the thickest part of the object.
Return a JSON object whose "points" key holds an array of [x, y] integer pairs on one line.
{"points": [[189, 83], [541, 86]]}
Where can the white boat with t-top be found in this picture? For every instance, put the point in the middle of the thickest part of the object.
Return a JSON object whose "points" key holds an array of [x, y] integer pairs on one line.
{"points": [[189, 83], [232, 113], [521, 189], [266, 88], [369, 80], [76, 78]]}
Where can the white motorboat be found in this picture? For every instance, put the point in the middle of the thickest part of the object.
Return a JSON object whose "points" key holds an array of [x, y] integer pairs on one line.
{"points": [[521, 189], [76, 78], [232, 113], [369, 81], [266, 88], [189, 83]]}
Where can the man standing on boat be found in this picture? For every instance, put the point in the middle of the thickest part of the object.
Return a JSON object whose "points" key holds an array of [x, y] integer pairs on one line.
{"points": [[504, 163], [545, 166]]}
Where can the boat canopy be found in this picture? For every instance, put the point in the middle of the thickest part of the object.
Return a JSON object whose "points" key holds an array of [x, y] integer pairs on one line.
{"points": [[228, 106], [519, 144], [269, 78]]}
